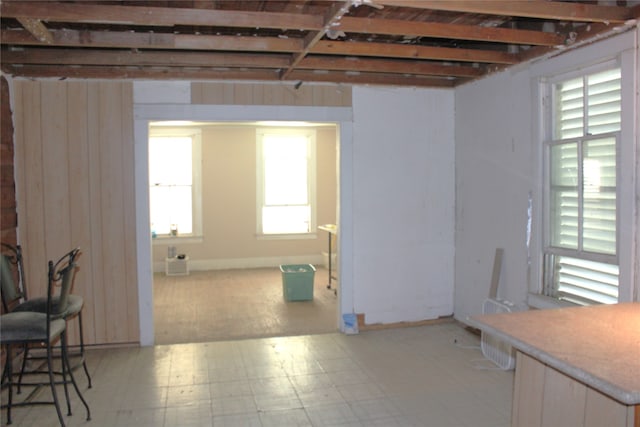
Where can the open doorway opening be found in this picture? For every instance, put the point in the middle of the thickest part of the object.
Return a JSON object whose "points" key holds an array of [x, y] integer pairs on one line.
{"points": [[229, 203], [144, 113]]}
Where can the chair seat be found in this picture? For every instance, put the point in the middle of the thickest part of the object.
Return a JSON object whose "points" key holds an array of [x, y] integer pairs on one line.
{"points": [[39, 305], [28, 326]]}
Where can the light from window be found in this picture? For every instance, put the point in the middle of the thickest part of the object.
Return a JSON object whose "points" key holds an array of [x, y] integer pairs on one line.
{"points": [[170, 184], [285, 207]]}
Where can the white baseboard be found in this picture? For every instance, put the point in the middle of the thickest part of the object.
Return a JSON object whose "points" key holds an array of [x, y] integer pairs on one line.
{"points": [[237, 263]]}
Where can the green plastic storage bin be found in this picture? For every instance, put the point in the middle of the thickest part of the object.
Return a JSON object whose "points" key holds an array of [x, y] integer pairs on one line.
{"points": [[297, 281]]}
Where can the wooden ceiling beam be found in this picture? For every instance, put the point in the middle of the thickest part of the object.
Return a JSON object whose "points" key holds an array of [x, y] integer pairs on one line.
{"points": [[42, 56], [157, 16], [394, 50], [37, 29], [449, 31], [146, 73], [401, 67], [168, 73], [373, 79], [121, 39], [553, 10], [331, 17]]}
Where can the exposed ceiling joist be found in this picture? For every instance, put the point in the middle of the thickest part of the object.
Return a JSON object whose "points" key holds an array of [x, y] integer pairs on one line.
{"points": [[155, 16], [539, 9], [432, 43]]}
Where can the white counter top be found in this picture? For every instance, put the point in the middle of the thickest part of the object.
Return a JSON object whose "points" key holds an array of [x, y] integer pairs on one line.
{"points": [[598, 345]]}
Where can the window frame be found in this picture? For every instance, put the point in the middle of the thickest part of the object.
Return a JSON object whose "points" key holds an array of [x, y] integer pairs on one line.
{"points": [[543, 298], [311, 134], [195, 133]]}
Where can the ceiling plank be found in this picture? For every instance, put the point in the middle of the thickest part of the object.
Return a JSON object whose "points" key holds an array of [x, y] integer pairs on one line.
{"points": [[402, 67], [121, 39], [37, 29], [449, 31], [157, 16], [394, 50], [539, 9], [143, 58]]}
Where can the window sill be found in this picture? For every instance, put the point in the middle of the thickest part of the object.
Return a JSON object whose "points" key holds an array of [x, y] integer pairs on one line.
{"points": [[300, 236], [169, 240], [544, 302]]}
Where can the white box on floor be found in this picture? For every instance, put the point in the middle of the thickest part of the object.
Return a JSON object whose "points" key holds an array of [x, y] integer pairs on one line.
{"points": [[177, 266]]}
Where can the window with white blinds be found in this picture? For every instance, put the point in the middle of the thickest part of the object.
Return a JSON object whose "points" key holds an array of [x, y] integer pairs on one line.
{"points": [[581, 248]]}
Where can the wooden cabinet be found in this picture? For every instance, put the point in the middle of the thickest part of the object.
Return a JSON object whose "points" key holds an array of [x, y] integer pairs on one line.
{"points": [[575, 366], [545, 397]]}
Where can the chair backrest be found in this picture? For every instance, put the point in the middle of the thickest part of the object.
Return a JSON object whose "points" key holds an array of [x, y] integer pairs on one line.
{"points": [[11, 276], [61, 274]]}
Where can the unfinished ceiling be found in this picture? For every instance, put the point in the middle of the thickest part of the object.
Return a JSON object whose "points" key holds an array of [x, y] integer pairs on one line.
{"points": [[391, 42]]}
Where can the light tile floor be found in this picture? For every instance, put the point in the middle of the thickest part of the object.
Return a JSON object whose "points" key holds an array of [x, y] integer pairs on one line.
{"points": [[424, 376]]}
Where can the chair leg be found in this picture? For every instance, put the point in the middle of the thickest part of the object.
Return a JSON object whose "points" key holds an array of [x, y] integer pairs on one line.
{"points": [[84, 360], [5, 374], [25, 356], [9, 368], [64, 372], [52, 383], [65, 361]]}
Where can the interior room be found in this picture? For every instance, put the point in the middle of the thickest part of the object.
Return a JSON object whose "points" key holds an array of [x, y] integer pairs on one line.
{"points": [[479, 163], [220, 242]]}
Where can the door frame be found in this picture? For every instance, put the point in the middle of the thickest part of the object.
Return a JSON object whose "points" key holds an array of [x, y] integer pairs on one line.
{"points": [[145, 113]]}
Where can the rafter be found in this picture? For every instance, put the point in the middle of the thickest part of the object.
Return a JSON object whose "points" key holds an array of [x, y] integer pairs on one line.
{"points": [[331, 18], [157, 16], [539, 9], [449, 31], [387, 66], [436, 43], [121, 39], [144, 58], [395, 50], [37, 29]]}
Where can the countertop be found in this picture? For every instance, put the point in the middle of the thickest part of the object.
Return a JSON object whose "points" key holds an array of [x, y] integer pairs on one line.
{"points": [[597, 345]]}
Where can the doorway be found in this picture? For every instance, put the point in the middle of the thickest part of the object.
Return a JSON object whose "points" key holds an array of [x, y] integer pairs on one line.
{"points": [[145, 113], [208, 182]]}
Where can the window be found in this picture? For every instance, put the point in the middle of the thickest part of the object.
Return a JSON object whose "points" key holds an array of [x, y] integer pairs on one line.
{"points": [[580, 259], [286, 181], [174, 181]]}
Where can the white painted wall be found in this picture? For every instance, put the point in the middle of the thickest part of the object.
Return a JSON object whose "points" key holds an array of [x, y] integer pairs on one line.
{"points": [[498, 166], [494, 175], [403, 203]]}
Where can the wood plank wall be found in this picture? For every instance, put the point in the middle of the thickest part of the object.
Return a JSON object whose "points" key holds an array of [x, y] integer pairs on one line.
{"points": [[270, 94], [8, 216], [75, 185], [74, 172]]}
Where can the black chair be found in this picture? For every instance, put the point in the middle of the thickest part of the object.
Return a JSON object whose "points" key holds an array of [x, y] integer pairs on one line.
{"points": [[44, 329], [14, 298]]}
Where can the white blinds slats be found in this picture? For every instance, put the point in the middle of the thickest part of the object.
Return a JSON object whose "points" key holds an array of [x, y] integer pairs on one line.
{"points": [[587, 282], [583, 186]]}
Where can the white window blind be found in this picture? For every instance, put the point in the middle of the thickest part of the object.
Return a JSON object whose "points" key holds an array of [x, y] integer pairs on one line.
{"points": [[580, 259]]}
